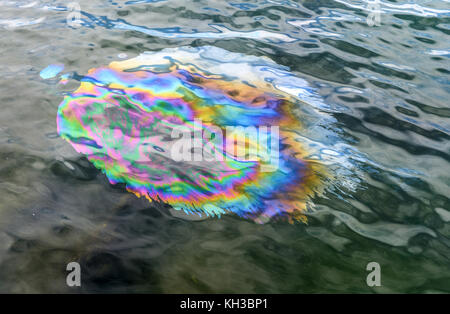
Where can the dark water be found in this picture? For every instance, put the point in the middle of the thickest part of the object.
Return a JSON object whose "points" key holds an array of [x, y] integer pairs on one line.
{"points": [[386, 87]]}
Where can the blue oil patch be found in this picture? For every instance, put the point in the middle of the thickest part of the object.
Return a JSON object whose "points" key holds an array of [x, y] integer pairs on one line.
{"points": [[51, 71]]}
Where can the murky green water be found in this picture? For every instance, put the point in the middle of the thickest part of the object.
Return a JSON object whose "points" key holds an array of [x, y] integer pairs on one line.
{"points": [[386, 89]]}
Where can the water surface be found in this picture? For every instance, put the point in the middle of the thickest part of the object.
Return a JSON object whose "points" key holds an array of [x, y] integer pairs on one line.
{"points": [[383, 89]]}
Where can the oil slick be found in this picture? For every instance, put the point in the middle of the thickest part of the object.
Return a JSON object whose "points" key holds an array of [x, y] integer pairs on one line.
{"points": [[123, 118], [51, 71]]}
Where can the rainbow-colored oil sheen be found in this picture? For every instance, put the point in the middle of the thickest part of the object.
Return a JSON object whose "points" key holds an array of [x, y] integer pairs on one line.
{"points": [[122, 117]]}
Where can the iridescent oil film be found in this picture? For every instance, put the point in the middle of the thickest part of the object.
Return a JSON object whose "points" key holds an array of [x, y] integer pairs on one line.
{"points": [[123, 117]]}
